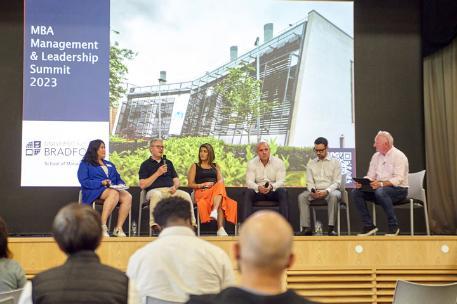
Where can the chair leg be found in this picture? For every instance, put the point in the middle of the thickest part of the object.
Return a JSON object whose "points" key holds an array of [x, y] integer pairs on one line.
{"points": [[139, 221], [411, 215], [427, 224], [339, 219], [130, 222], [198, 222], [374, 214], [150, 228], [109, 221], [314, 217], [348, 220]]}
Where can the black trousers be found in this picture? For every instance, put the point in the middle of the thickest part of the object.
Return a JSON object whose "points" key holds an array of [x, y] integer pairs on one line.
{"points": [[280, 195]]}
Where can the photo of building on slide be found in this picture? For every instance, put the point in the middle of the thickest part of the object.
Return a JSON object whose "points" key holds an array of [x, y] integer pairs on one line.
{"points": [[286, 87]]}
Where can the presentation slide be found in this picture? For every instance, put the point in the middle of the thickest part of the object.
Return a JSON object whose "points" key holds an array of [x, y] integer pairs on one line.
{"points": [[228, 72], [66, 87]]}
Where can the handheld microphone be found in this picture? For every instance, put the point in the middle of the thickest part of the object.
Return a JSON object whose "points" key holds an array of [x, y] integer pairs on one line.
{"points": [[267, 184], [164, 159]]}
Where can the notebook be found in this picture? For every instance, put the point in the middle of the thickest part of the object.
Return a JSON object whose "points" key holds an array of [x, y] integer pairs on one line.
{"points": [[365, 182]]}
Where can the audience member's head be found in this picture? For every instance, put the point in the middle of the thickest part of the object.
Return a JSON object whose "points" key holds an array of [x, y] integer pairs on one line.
{"points": [[173, 211], [4, 250], [267, 253], [77, 227]]}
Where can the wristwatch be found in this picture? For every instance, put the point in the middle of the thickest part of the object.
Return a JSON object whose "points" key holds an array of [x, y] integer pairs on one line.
{"points": [[382, 184]]}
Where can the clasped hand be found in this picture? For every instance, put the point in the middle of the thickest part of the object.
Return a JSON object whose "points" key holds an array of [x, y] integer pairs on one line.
{"points": [[106, 182], [264, 190], [375, 184], [207, 185], [319, 194]]}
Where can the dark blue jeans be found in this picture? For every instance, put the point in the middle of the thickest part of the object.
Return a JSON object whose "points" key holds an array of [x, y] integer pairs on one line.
{"points": [[385, 196], [280, 195]]}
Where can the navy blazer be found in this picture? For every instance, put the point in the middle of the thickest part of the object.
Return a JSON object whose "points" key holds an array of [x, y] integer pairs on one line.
{"points": [[90, 177]]}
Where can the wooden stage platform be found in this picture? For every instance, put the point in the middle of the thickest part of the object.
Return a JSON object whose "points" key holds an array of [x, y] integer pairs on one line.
{"points": [[327, 269]]}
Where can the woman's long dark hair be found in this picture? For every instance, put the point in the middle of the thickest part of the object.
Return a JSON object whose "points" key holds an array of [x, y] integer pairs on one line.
{"points": [[91, 153], [211, 155], [4, 251]]}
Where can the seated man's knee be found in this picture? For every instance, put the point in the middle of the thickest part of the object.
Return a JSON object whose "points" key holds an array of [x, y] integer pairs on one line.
{"points": [[379, 193], [154, 195], [334, 194], [282, 192], [355, 193], [248, 193], [303, 198], [185, 195]]}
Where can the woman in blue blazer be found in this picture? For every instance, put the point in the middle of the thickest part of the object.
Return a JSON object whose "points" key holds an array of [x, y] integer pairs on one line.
{"points": [[96, 175]]}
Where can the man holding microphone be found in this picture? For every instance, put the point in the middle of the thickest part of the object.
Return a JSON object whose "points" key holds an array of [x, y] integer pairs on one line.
{"points": [[158, 177]]}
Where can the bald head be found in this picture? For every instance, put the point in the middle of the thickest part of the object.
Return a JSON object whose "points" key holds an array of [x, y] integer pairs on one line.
{"points": [[266, 241]]}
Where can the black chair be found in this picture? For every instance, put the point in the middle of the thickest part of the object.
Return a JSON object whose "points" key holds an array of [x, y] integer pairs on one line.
{"points": [[270, 205], [99, 203], [416, 199], [144, 205], [342, 204]]}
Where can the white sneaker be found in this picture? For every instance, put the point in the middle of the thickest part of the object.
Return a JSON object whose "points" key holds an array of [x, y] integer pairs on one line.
{"points": [[213, 214], [105, 231], [119, 232], [393, 231], [367, 231], [221, 232]]}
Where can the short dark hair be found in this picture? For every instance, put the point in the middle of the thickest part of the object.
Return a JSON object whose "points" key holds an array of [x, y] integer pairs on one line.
{"points": [[171, 208], [4, 250], [91, 152], [321, 141], [77, 227]]}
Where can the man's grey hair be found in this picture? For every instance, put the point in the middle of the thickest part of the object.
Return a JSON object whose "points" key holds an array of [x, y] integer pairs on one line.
{"points": [[262, 142], [155, 140], [387, 136], [77, 227]]}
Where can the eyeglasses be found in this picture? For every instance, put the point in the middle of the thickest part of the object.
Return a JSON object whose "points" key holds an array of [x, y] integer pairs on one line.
{"points": [[319, 150], [160, 147]]}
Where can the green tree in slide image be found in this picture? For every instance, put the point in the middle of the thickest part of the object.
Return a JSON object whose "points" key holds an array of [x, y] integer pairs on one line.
{"points": [[117, 72], [241, 93]]}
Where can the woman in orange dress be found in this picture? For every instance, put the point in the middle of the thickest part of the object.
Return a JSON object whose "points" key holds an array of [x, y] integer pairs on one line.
{"points": [[205, 178]]}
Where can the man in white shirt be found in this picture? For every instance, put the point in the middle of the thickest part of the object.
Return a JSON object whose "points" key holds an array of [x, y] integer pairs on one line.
{"points": [[178, 263], [265, 178], [388, 173], [323, 182]]}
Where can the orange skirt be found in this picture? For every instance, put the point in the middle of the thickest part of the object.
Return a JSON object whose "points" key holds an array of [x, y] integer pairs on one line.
{"points": [[204, 198]]}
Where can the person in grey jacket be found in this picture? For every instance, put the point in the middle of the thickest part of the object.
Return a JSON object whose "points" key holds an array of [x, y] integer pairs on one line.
{"points": [[11, 273]]}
